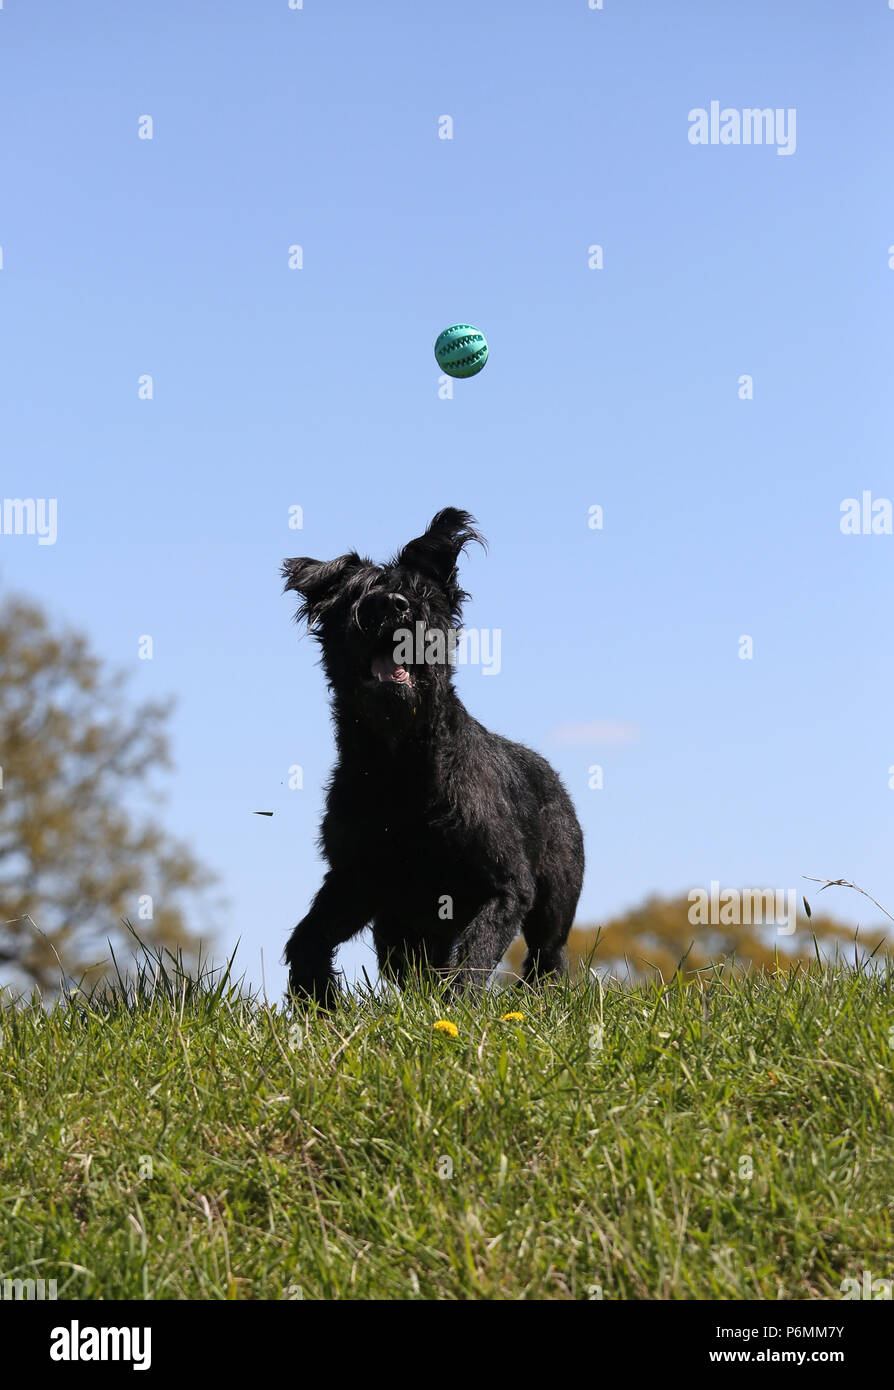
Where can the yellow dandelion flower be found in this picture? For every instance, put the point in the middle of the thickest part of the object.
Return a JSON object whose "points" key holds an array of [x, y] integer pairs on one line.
{"points": [[444, 1025], [511, 1018]]}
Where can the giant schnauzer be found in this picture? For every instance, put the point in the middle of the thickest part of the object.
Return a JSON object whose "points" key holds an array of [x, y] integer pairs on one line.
{"points": [[447, 839]]}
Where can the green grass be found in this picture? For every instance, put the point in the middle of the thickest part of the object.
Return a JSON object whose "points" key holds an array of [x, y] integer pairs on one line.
{"points": [[179, 1139]]}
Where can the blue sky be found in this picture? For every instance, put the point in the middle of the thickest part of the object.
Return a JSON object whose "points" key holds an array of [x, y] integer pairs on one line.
{"points": [[617, 387]]}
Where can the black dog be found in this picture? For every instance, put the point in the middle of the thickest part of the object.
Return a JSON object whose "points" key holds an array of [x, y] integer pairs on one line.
{"points": [[448, 839]]}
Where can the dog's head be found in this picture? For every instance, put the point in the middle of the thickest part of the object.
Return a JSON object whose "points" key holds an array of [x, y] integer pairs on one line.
{"points": [[388, 632]]}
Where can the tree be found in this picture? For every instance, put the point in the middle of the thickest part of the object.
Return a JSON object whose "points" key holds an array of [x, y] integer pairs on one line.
{"points": [[73, 860], [659, 933]]}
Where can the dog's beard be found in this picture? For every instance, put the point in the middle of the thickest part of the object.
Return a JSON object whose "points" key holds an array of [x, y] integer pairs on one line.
{"points": [[385, 669], [392, 697], [389, 699], [381, 683]]}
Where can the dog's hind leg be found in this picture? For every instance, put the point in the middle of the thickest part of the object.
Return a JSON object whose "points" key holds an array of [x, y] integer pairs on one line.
{"points": [[546, 928], [484, 942], [558, 883]]}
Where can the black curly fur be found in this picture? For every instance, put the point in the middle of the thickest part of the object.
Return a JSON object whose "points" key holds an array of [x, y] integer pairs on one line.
{"points": [[447, 839]]}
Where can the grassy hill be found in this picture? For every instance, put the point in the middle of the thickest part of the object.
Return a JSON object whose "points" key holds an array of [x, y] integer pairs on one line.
{"points": [[725, 1138]]}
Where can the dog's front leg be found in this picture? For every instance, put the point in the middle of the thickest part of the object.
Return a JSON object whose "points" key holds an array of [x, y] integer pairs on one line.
{"points": [[336, 914]]}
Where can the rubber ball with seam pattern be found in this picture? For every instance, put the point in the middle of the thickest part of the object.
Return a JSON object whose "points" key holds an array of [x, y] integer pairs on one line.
{"points": [[461, 350]]}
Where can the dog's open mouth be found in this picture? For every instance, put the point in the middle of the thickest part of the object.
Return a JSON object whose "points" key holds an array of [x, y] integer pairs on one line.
{"points": [[385, 668]]}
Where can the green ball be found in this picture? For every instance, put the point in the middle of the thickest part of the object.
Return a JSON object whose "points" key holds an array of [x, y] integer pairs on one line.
{"points": [[461, 350]]}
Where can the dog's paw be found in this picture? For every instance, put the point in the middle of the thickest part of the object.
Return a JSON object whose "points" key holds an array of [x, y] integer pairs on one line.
{"points": [[319, 985]]}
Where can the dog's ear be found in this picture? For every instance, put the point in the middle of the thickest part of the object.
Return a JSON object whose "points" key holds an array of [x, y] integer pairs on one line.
{"points": [[317, 581], [436, 552]]}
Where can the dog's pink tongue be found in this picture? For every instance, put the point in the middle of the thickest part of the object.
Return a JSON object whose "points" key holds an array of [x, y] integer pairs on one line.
{"points": [[384, 669]]}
